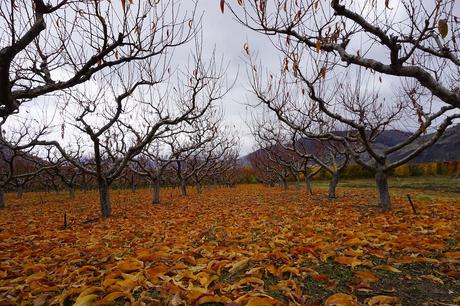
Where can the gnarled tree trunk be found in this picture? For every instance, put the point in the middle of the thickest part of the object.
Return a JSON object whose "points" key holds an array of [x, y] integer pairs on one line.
{"points": [[381, 180], [19, 192], [156, 191], [183, 187], [285, 183], [308, 184], [72, 192], [333, 185], [104, 198], [297, 181]]}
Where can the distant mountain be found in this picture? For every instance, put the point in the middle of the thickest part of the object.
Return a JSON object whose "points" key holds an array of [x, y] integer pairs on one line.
{"points": [[445, 149]]}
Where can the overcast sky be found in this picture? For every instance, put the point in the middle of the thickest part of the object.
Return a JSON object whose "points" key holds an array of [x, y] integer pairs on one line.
{"points": [[227, 36], [224, 34]]}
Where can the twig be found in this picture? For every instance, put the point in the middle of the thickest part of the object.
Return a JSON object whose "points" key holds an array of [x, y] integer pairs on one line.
{"points": [[411, 204]]}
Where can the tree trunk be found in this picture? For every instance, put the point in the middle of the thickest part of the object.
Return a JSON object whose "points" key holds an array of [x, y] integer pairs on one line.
{"points": [[333, 185], [104, 198], [183, 188], [133, 184], [308, 184], [381, 180], [198, 185], [156, 192], [2, 198], [72, 192], [297, 181], [19, 192], [285, 183]]}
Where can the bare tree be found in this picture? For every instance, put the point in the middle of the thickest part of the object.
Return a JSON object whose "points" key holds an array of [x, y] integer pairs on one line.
{"points": [[50, 47], [410, 39], [202, 152], [67, 173], [120, 123], [350, 115], [20, 158]]}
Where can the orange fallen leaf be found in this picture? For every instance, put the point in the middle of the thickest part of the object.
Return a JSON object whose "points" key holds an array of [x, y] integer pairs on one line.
{"points": [[341, 299], [367, 276], [383, 300], [453, 255], [109, 298], [261, 301], [345, 260], [239, 265], [130, 265], [213, 299], [387, 268], [86, 300]]}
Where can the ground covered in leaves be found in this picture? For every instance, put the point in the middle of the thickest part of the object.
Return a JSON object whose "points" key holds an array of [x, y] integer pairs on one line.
{"points": [[250, 245]]}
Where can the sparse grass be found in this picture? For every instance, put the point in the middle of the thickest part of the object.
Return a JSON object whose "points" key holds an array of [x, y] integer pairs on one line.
{"points": [[430, 183]]}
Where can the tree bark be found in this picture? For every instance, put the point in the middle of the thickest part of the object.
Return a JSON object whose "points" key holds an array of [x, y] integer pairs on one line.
{"points": [[183, 188], [2, 198], [297, 182], [133, 184], [104, 198], [19, 192], [156, 191], [308, 184], [333, 185], [72, 192], [381, 180], [199, 189], [285, 183]]}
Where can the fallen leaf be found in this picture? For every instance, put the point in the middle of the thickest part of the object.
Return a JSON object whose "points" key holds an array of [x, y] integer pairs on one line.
{"points": [[341, 299], [383, 300]]}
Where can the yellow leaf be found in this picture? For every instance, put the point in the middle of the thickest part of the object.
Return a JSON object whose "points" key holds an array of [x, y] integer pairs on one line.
{"points": [[130, 265], [109, 298], [239, 265], [387, 268], [443, 28], [86, 300], [318, 45], [341, 299], [213, 299], [383, 300], [325, 256], [287, 269], [433, 279], [261, 301], [251, 280], [322, 72]]}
